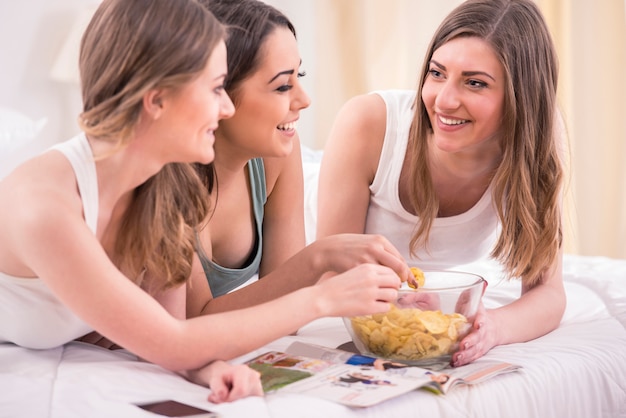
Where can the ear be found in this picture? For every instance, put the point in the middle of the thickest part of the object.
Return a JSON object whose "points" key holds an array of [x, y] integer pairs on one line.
{"points": [[153, 102]]}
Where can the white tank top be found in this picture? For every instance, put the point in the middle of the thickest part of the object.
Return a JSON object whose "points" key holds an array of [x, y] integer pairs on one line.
{"points": [[30, 315], [453, 241]]}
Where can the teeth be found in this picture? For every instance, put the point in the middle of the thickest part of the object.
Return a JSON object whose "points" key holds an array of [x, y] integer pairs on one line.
{"points": [[287, 126], [452, 121]]}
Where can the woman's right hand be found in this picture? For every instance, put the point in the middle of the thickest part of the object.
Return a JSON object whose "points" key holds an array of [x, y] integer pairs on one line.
{"points": [[362, 290], [342, 252]]}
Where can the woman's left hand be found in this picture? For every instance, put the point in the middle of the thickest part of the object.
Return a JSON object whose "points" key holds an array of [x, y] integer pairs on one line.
{"points": [[228, 382], [479, 341]]}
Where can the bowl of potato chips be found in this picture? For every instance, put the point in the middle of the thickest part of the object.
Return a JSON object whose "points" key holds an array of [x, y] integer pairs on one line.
{"points": [[427, 322]]}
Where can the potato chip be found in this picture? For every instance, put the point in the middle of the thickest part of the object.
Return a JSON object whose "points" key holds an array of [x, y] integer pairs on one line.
{"points": [[434, 321], [418, 275]]}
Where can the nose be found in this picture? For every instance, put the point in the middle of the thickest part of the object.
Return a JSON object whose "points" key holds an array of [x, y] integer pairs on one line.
{"points": [[301, 99], [227, 108], [448, 96]]}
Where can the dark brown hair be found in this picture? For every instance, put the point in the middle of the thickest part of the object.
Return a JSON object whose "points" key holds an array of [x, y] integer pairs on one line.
{"points": [[249, 23]]}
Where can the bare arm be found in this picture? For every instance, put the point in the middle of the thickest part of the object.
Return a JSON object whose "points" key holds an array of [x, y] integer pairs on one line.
{"points": [[123, 313], [79, 272], [538, 311], [173, 300], [349, 164], [283, 221]]}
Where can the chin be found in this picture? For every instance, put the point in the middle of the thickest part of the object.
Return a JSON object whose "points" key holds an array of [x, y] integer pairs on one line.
{"points": [[286, 149], [206, 158], [285, 152], [447, 145]]}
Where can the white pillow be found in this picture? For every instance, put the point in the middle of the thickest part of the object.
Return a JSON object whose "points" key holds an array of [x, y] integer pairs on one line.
{"points": [[16, 131]]}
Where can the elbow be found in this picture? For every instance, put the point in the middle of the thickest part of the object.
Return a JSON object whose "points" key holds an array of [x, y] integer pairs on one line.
{"points": [[558, 304], [181, 362], [177, 365]]}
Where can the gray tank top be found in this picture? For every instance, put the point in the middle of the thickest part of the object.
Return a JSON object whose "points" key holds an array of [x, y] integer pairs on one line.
{"points": [[223, 279]]}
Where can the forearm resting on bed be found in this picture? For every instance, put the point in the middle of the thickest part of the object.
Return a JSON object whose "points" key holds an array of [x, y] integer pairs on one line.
{"points": [[537, 312]]}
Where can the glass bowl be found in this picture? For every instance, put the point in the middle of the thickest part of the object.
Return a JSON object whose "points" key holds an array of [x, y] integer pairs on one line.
{"points": [[425, 325]]}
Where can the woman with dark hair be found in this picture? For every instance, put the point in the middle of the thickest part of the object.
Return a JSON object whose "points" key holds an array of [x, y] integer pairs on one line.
{"points": [[256, 222], [467, 167]]}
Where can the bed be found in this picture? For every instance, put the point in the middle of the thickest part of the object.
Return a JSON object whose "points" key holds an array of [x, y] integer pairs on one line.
{"points": [[578, 370]]}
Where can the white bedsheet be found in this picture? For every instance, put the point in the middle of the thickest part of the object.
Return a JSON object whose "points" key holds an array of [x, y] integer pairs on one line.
{"points": [[579, 370]]}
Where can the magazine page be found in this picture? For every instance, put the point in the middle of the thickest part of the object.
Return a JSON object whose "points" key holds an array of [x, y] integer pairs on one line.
{"points": [[441, 380], [335, 355], [475, 372], [348, 384]]}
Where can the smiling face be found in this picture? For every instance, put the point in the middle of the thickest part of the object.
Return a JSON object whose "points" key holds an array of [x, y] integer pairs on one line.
{"points": [[464, 96], [190, 114], [268, 103]]}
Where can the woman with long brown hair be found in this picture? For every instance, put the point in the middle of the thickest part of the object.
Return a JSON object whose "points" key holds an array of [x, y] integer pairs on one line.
{"points": [[466, 167]]}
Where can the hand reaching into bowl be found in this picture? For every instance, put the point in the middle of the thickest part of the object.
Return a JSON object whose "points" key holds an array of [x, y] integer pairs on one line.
{"points": [[341, 252], [363, 290]]}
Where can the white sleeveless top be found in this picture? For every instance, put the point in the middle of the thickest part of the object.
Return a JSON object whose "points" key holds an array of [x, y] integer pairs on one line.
{"points": [[30, 315], [453, 241]]}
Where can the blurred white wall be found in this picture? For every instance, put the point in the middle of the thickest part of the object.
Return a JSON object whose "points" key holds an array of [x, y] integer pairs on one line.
{"points": [[32, 33]]}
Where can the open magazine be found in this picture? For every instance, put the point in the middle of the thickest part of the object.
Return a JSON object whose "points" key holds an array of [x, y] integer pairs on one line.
{"points": [[360, 381]]}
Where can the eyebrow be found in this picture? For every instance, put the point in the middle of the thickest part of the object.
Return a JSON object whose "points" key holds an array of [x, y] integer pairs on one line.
{"points": [[465, 73], [286, 72], [220, 76]]}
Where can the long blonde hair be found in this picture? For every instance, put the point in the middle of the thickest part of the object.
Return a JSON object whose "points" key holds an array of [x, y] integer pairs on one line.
{"points": [[129, 48], [527, 183]]}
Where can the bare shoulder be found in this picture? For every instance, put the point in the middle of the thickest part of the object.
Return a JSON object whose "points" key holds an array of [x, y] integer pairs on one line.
{"points": [[49, 172], [40, 190], [358, 133], [366, 113]]}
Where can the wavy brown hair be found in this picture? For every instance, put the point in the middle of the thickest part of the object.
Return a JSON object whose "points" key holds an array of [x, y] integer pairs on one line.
{"points": [[527, 183], [129, 48]]}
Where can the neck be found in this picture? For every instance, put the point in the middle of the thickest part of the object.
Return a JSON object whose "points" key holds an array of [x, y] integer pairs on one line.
{"points": [[120, 171], [465, 166], [230, 160]]}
